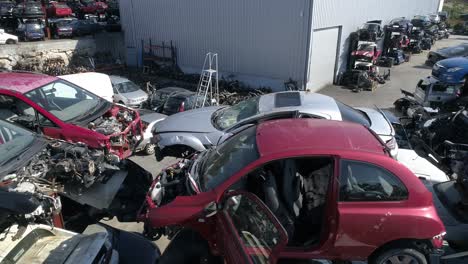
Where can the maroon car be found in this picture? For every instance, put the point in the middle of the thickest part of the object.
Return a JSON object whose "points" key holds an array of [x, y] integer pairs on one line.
{"points": [[334, 192], [62, 110]]}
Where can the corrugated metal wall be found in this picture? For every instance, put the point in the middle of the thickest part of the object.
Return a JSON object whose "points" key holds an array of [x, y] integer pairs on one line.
{"points": [[351, 14], [263, 38]]}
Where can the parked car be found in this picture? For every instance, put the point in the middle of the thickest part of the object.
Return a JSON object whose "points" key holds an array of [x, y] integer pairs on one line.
{"points": [[127, 92], [85, 27], [97, 83], [158, 98], [31, 31], [60, 109], [6, 8], [371, 31], [92, 7], [421, 22], [6, 38], [367, 51], [435, 19], [58, 9], [431, 94], [447, 53], [291, 165], [80, 185], [454, 70], [400, 24], [199, 129], [172, 100], [61, 28], [28, 10], [149, 119]]}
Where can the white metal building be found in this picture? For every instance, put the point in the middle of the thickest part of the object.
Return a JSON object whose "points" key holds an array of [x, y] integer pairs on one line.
{"points": [[263, 42]]}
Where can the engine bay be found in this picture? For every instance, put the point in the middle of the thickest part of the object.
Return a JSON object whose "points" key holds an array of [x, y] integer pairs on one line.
{"points": [[59, 164], [114, 123]]}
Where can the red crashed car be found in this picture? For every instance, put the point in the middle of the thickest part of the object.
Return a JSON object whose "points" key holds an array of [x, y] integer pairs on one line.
{"points": [[91, 7], [332, 187], [367, 51], [62, 110], [56, 9]]}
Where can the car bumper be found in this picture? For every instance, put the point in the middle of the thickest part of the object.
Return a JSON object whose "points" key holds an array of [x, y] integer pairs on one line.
{"points": [[65, 34]]}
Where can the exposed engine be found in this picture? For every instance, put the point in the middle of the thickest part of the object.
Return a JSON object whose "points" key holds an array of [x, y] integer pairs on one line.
{"points": [[113, 124], [172, 183], [61, 163]]}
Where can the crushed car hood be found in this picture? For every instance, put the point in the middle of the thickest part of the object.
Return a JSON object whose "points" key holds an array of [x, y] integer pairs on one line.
{"points": [[196, 120], [379, 123]]}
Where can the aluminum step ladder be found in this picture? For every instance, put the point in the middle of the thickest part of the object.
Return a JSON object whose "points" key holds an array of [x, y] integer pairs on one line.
{"points": [[208, 86]]}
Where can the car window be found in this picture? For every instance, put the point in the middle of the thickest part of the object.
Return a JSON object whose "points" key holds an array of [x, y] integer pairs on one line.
{"points": [[361, 181], [229, 116], [64, 100], [256, 232], [228, 158], [352, 115]]}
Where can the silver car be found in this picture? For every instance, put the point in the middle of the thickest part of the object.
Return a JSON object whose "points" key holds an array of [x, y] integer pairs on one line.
{"points": [[196, 130], [127, 92]]}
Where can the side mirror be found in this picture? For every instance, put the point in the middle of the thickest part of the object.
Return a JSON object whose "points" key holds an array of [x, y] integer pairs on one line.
{"points": [[210, 209]]}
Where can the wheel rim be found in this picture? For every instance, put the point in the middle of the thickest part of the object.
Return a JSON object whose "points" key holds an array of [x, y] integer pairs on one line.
{"points": [[401, 259], [150, 149]]}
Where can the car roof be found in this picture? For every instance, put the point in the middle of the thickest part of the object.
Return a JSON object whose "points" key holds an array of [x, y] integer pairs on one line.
{"points": [[24, 82], [304, 133], [313, 103]]}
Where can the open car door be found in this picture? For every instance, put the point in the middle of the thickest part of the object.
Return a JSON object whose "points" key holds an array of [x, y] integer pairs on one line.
{"points": [[248, 230]]}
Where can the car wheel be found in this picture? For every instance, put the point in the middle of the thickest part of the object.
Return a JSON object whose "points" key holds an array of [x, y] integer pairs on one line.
{"points": [[400, 256], [158, 154], [10, 41], [150, 149]]}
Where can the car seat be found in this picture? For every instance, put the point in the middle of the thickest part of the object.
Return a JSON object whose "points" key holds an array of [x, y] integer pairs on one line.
{"points": [[273, 201], [291, 187]]}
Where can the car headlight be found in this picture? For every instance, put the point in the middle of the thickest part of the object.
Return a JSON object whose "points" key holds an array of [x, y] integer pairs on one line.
{"points": [[454, 69]]}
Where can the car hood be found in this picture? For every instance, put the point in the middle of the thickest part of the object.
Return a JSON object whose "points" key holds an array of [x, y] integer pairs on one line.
{"points": [[420, 166], [196, 120], [379, 123], [139, 94], [152, 117], [454, 62]]}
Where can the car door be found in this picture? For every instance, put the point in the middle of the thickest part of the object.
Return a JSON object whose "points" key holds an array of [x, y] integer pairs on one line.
{"points": [[247, 230], [370, 199]]}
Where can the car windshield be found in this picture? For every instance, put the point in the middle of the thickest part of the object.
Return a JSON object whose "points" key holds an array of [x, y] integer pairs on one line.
{"points": [[353, 115], [13, 141], [33, 27], [228, 158], [127, 87], [64, 100], [371, 26], [366, 47], [229, 116]]}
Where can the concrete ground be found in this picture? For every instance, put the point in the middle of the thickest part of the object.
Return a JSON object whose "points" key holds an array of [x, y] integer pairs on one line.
{"points": [[404, 76]]}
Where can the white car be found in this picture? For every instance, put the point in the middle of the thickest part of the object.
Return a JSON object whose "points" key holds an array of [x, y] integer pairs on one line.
{"points": [[6, 38], [96, 83], [420, 166], [149, 119], [127, 92]]}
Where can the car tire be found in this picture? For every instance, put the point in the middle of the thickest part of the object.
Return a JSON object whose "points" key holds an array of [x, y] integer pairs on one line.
{"points": [[158, 154], [10, 41], [150, 149], [400, 256]]}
